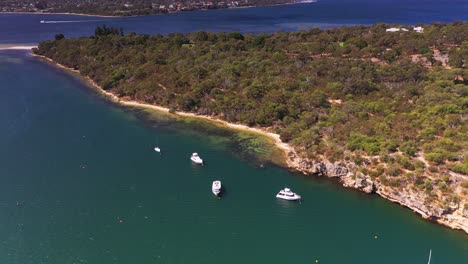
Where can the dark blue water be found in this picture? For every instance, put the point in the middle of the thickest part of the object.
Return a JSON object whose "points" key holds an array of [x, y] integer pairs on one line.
{"points": [[17, 28]]}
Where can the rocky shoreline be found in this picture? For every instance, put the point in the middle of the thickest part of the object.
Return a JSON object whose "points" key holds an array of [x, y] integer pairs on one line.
{"points": [[455, 218]]}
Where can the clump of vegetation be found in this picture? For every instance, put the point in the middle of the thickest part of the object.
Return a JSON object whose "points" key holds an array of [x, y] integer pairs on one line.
{"points": [[460, 168]]}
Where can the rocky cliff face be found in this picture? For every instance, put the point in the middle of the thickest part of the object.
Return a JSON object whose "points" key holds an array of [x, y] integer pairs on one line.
{"points": [[341, 170], [455, 217]]}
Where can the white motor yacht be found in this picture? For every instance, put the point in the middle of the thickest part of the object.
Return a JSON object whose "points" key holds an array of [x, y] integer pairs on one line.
{"points": [[157, 149], [216, 188], [287, 194], [195, 158]]}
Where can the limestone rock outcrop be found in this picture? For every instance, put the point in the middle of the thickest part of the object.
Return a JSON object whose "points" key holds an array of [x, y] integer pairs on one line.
{"points": [[455, 217]]}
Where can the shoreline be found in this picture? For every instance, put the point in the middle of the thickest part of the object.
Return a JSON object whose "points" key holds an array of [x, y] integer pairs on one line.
{"points": [[276, 137], [156, 14], [59, 13], [292, 159]]}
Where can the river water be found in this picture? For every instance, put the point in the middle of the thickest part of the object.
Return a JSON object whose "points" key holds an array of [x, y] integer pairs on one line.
{"points": [[18, 28], [80, 182]]}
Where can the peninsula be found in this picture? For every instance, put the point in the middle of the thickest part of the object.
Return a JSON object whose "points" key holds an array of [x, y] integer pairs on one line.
{"points": [[383, 111], [129, 8]]}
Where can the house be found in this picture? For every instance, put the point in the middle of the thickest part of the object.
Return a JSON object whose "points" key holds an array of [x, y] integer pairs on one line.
{"points": [[392, 30], [418, 29]]}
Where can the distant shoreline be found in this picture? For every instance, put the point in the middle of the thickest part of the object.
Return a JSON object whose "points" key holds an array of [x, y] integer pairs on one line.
{"points": [[156, 14], [62, 13]]}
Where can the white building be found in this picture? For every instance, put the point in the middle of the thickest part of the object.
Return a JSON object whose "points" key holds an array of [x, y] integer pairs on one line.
{"points": [[392, 29], [418, 29]]}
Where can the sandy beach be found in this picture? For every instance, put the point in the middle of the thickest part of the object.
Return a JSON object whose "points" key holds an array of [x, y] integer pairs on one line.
{"points": [[286, 148]]}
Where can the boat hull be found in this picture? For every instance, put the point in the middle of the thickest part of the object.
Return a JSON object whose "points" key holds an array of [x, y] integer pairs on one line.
{"points": [[197, 161], [216, 188], [288, 198]]}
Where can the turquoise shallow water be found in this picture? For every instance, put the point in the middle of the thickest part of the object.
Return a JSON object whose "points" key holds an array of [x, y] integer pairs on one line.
{"points": [[81, 184]]}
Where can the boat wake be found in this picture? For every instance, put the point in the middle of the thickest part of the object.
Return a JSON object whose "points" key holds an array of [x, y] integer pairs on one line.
{"points": [[16, 47]]}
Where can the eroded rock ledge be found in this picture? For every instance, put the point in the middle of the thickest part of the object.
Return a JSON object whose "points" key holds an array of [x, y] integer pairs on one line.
{"points": [[454, 217]]}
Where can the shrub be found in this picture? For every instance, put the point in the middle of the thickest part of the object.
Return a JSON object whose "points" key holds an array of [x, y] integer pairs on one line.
{"points": [[395, 183], [419, 164], [405, 162], [419, 180], [286, 136], [427, 133], [374, 174], [387, 158], [428, 185], [358, 159], [392, 146], [409, 148], [442, 186], [460, 168], [370, 145], [59, 37], [393, 171], [383, 180], [410, 176], [365, 171], [380, 169], [173, 109], [437, 157]]}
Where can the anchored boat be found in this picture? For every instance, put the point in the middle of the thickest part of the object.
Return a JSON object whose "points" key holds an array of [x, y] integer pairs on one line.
{"points": [[216, 188], [196, 159], [287, 194]]}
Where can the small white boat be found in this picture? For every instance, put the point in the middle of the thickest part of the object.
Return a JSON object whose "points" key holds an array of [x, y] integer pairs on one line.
{"points": [[287, 194], [195, 158], [157, 149], [42, 21], [216, 188]]}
